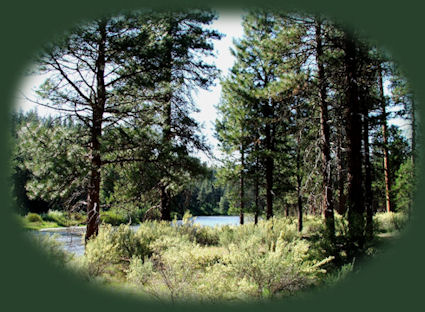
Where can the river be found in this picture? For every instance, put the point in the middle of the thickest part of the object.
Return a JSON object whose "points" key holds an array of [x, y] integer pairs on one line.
{"points": [[72, 238]]}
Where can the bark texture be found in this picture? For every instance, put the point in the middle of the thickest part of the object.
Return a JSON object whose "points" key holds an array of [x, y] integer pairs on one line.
{"points": [[98, 107], [327, 204], [353, 129]]}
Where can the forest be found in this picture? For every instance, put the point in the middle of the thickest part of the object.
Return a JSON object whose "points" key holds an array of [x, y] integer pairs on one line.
{"points": [[317, 153]]}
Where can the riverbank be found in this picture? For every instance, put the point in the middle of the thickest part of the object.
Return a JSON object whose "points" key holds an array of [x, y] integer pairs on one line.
{"points": [[51, 220], [54, 220]]}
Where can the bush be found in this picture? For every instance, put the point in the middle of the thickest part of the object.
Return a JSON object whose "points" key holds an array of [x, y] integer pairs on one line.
{"points": [[246, 262], [189, 262], [385, 222], [206, 236], [139, 271], [113, 217], [113, 248], [34, 217], [283, 268], [265, 231], [341, 274], [56, 216]]}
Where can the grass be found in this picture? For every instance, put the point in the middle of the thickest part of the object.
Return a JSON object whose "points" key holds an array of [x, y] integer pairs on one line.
{"points": [[51, 219], [36, 226]]}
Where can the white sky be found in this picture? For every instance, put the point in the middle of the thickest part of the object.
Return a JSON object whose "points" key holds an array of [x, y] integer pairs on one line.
{"points": [[230, 26]]}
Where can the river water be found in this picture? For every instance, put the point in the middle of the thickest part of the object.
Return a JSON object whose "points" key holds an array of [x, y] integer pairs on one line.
{"points": [[72, 239]]}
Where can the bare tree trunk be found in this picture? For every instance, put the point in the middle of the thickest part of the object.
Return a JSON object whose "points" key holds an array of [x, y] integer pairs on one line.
{"points": [[299, 197], [257, 193], [242, 190], [269, 187], [341, 208], [413, 156], [165, 204], [385, 143], [368, 174], [269, 165], [299, 176], [413, 126], [256, 202], [327, 207], [353, 129], [93, 197]]}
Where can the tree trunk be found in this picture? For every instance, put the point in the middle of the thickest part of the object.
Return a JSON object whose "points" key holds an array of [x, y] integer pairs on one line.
{"points": [[299, 197], [413, 126], [269, 165], [165, 208], [257, 193], [299, 176], [413, 156], [93, 197], [269, 187], [353, 128], [368, 174], [342, 208], [385, 143], [242, 190], [165, 204], [327, 206]]}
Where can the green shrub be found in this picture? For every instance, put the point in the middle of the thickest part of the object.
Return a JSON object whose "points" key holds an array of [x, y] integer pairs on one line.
{"points": [[113, 217], [206, 236], [282, 268], [56, 216], [139, 271], [200, 234], [385, 222], [341, 274], [63, 218], [113, 248], [265, 231], [259, 263], [34, 217], [313, 225], [341, 225], [188, 262]]}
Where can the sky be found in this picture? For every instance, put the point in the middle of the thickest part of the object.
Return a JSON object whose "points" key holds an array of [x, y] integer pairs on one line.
{"points": [[229, 24]]}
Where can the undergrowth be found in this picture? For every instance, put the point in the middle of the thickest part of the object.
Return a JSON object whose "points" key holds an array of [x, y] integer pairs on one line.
{"points": [[187, 262]]}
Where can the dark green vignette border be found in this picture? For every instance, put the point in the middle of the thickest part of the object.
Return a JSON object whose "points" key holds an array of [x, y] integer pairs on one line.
{"points": [[392, 282]]}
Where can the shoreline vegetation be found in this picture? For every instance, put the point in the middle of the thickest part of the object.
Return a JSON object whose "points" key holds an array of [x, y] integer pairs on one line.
{"points": [[229, 263]]}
